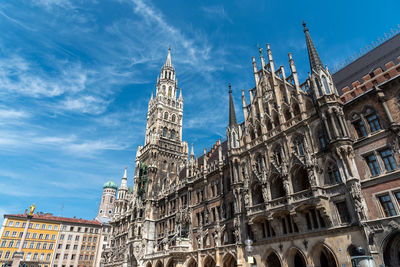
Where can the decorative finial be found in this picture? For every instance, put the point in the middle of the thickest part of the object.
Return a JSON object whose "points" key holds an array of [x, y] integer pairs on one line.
{"points": [[305, 26], [125, 174], [260, 50]]}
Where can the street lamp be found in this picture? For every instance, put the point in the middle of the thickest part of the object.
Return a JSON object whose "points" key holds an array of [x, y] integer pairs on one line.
{"points": [[249, 248], [362, 260]]}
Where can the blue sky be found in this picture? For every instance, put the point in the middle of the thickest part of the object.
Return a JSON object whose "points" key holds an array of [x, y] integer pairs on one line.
{"points": [[76, 77]]}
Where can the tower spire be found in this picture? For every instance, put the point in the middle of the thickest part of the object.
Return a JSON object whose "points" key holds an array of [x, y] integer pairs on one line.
{"points": [[168, 62], [191, 158], [232, 113], [315, 60]]}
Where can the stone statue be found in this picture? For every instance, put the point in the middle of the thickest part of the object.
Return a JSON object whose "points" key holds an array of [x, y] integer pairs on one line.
{"points": [[246, 198], [356, 194], [286, 185]]}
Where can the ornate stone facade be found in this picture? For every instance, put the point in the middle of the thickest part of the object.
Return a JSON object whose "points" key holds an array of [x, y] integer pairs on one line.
{"points": [[286, 178]]}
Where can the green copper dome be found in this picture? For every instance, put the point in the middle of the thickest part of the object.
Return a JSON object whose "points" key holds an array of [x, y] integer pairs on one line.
{"points": [[130, 190], [110, 184]]}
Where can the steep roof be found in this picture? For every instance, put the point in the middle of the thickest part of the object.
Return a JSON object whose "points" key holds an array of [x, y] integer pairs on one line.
{"points": [[376, 58]]}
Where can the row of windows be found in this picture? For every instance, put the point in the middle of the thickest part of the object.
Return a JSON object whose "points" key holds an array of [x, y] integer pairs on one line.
{"points": [[386, 201], [28, 256], [75, 247], [172, 133], [73, 257], [40, 236], [80, 229], [166, 116], [369, 118], [382, 159], [31, 225], [32, 245], [77, 237], [14, 234]]}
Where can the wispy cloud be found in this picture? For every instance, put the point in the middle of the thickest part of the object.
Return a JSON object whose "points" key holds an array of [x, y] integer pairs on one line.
{"points": [[20, 76], [50, 4], [216, 12], [9, 115], [85, 104]]}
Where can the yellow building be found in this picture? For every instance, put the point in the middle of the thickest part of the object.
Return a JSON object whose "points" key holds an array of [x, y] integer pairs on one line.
{"points": [[50, 241], [38, 245]]}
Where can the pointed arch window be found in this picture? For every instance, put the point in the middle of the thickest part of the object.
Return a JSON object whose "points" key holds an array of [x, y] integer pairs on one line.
{"points": [[298, 146], [166, 116], [234, 140], [318, 87], [164, 89], [322, 139], [325, 82], [277, 156], [170, 91], [165, 165], [173, 118], [165, 130], [334, 174], [172, 136], [276, 120], [287, 114]]}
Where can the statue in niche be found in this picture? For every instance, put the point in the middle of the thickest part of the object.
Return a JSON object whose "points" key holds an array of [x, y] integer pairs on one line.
{"points": [[356, 194]]}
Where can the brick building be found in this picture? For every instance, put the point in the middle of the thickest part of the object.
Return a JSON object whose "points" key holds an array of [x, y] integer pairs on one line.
{"points": [[371, 104]]}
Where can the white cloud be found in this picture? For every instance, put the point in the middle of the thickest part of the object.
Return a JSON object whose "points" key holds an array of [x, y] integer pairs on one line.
{"points": [[12, 114], [85, 104], [19, 76]]}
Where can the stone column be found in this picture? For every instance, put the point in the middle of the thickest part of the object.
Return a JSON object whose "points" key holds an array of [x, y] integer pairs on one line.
{"points": [[18, 256]]}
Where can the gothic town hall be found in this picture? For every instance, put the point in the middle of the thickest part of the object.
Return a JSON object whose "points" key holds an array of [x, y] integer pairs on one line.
{"points": [[310, 177]]}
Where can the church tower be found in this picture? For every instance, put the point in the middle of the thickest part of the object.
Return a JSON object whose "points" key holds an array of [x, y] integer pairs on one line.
{"points": [[163, 155], [330, 110], [106, 207]]}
